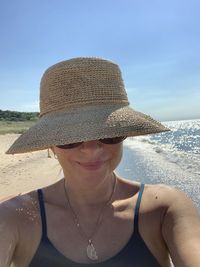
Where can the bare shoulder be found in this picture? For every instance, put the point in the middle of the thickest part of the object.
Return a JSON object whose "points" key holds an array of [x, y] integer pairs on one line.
{"points": [[159, 194], [8, 213], [153, 192], [19, 212], [16, 215], [169, 197], [161, 197], [175, 215], [14, 209], [180, 223]]}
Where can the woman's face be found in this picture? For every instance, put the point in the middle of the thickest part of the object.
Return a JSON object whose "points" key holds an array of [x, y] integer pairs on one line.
{"points": [[92, 159]]}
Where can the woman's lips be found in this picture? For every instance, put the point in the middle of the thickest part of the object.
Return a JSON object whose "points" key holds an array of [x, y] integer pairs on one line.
{"points": [[91, 165]]}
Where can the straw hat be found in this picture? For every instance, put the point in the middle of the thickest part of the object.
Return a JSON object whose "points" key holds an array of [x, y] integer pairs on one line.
{"points": [[83, 99]]}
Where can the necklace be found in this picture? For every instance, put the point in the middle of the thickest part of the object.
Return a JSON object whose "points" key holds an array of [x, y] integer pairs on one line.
{"points": [[90, 249]]}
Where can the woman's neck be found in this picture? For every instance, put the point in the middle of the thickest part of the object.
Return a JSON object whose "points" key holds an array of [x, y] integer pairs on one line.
{"points": [[83, 194]]}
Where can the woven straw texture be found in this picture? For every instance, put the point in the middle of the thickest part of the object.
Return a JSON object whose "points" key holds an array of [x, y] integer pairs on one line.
{"points": [[81, 81], [83, 99]]}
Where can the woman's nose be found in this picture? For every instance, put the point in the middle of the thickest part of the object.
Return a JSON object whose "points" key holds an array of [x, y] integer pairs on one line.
{"points": [[93, 145]]}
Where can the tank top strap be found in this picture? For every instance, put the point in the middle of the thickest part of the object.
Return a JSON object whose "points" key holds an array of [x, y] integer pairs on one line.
{"points": [[137, 208], [42, 213]]}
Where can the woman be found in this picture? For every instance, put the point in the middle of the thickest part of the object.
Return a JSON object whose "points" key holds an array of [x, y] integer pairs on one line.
{"points": [[92, 217]]}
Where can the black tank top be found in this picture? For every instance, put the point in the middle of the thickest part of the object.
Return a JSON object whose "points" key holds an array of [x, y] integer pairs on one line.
{"points": [[134, 254]]}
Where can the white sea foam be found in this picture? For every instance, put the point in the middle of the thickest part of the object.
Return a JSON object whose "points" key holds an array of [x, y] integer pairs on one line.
{"points": [[180, 146]]}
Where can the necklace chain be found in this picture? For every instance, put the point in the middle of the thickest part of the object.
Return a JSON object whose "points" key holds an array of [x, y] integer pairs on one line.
{"points": [[90, 251]]}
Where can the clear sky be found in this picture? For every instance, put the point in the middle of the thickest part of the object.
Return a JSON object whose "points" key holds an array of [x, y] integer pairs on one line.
{"points": [[156, 43]]}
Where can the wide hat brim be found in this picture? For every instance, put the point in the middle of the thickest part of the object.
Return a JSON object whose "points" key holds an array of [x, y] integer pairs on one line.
{"points": [[84, 124]]}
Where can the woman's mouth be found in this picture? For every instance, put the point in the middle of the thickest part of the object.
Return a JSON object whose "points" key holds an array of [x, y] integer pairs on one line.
{"points": [[91, 165]]}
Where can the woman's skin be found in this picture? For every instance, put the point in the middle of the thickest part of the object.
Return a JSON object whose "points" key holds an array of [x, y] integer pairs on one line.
{"points": [[168, 220], [88, 170]]}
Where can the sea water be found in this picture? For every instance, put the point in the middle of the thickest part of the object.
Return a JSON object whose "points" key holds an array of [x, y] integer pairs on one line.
{"points": [[171, 157]]}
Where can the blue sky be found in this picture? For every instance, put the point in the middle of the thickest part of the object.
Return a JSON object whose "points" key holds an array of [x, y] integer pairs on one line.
{"points": [[156, 43]]}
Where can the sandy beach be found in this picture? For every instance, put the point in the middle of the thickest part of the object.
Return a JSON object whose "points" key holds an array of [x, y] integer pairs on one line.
{"points": [[24, 172]]}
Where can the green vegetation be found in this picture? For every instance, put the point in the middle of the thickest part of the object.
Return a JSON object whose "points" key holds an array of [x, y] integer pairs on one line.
{"points": [[8, 115], [16, 122]]}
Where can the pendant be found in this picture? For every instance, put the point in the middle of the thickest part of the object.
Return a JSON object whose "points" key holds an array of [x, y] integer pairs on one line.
{"points": [[91, 251]]}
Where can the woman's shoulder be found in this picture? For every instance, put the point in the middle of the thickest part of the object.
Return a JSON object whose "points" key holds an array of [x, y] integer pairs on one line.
{"points": [[14, 209], [154, 189], [166, 195], [20, 216], [24, 205], [156, 195]]}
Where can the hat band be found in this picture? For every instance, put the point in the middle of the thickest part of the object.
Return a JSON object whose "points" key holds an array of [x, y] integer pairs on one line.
{"points": [[84, 107]]}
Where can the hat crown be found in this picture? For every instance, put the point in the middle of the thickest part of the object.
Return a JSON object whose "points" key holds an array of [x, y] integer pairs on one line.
{"points": [[81, 81]]}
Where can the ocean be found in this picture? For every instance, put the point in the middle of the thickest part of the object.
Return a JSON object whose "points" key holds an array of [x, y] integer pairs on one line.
{"points": [[171, 158]]}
